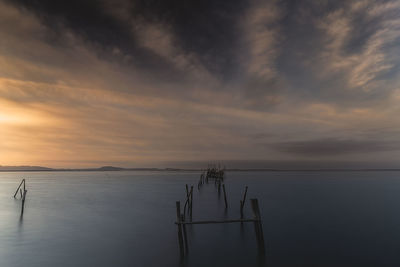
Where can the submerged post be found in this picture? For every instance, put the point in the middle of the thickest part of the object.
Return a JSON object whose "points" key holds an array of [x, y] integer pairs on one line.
{"points": [[180, 238], [191, 202], [184, 234], [23, 202], [258, 225], [242, 203], [226, 202]]}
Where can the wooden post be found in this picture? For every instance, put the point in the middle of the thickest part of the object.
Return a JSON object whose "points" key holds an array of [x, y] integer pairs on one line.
{"points": [[184, 234], [242, 202], [226, 202], [241, 209], [258, 225], [191, 201], [187, 202], [219, 187], [23, 202], [22, 182], [180, 238], [187, 191]]}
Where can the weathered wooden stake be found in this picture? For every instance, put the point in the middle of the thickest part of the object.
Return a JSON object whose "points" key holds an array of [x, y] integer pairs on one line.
{"points": [[184, 234], [22, 182], [258, 225], [242, 202], [187, 202], [191, 201], [23, 202], [226, 202], [178, 219], [187, 191]]}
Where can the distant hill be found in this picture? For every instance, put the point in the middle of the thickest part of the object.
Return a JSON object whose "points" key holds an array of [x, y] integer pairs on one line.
{"points": [[103, 168], [109, 168], [112, 168], [24, 168]]}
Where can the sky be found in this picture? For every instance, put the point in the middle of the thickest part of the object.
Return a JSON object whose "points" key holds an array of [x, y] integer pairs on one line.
{"points": [[174, 83]]}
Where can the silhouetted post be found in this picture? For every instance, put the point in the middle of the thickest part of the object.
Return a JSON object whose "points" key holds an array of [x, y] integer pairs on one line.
{"points": [[23, 202], [20, 192], [22, 182], [219, 187], [258, 225], [187, 202], [187, 191], [226, 202], [184, 234], [191, 201], [242, 203], [180, 238]]}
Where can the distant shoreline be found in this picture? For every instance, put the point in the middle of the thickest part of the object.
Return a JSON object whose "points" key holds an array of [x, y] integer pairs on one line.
{"points": [[111, 168]]}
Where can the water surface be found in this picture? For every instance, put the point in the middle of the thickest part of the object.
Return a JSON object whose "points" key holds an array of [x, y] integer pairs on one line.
{"points": [[127, 219]]}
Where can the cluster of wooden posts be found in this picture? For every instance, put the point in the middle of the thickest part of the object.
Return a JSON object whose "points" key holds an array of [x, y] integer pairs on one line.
{"points": [[181, 221], [22, 191]]}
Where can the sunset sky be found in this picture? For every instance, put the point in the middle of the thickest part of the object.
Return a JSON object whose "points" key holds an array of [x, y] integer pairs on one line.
{"points": [[180, 83]]}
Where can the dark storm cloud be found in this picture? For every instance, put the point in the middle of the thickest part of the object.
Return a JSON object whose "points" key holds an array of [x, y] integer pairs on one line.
{"points": [[333, 147], [206, 28], [311, 49]]}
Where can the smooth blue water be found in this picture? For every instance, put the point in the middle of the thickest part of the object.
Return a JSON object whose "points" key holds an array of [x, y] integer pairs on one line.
{"points": [[127, 219]]}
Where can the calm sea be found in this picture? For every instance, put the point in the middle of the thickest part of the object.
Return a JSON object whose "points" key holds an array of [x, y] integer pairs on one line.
{"points": [[127, 219]]}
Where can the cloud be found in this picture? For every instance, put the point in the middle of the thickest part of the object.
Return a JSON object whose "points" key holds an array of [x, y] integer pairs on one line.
{"points": [[335, 147], [377, 26], [261, 36], [135, 84]]}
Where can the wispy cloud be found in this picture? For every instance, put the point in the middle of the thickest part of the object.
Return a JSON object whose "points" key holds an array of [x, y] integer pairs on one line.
{"points": [[261, 37], [133, 85], [364, 68]]}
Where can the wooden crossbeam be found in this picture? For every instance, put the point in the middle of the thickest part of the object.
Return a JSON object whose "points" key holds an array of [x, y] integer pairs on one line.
{"points": [[222, 221]]}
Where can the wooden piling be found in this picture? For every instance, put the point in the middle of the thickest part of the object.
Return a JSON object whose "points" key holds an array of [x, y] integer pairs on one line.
{"points": [[187, 191], [258, 225], [187, 202], [22, 182], [23, 202], [184, 233], [180, 237], [242, 202], [191, 202], [226, 202]]}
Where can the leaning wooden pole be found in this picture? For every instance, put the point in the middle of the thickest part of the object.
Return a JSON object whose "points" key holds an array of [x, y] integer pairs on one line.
{"points": [[242, 203], [184, 233], [178, 220], [23, 202], [22, 182], [258, 225], [226, 202]]}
